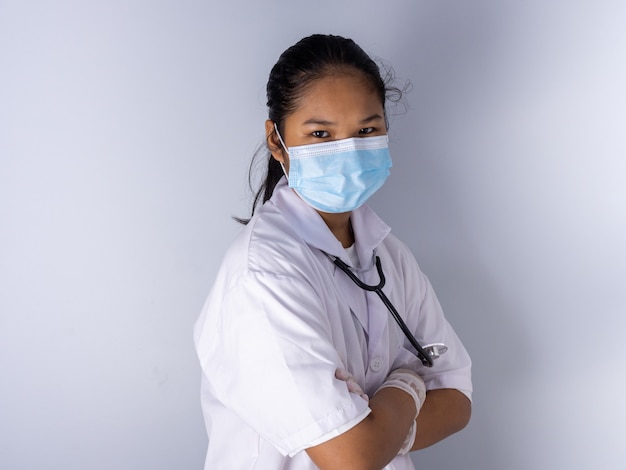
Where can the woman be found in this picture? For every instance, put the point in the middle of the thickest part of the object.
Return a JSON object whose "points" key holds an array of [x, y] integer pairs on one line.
{"points": [[302, 368]]}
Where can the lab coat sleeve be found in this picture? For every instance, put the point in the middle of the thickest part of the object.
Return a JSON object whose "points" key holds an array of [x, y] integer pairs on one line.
{"points": [[426, 319], [265, 345]]}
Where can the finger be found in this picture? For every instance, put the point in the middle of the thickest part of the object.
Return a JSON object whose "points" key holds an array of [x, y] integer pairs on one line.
{"points": [[342, 374]]}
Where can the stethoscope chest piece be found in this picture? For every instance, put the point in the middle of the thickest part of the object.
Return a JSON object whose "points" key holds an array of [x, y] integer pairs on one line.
{"points": [[435, 350]]}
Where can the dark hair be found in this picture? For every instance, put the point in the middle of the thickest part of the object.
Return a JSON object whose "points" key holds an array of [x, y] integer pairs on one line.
{"points": [[297, 68]]}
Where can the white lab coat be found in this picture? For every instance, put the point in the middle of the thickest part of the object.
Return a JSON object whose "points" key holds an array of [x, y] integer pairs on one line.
{"points": [[281, 318]]}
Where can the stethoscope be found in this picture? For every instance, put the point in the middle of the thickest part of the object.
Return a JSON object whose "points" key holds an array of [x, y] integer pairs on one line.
{"points": [[427, 353]]}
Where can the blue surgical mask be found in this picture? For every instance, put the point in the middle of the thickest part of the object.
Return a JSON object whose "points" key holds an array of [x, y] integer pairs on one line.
{"points": [[340, 175]]}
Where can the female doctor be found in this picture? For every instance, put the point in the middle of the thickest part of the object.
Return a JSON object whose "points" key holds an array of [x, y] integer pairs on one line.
{"points": [[302, 368]]}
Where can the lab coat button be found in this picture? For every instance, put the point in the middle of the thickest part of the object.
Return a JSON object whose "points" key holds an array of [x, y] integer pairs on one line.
{"points": [[376, 364]]}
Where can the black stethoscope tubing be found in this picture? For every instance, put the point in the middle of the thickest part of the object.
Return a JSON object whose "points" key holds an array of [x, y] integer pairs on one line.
{"points": [[421, 354]]}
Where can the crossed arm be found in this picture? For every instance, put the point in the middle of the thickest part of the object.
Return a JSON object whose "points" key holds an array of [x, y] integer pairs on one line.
{"points": [[375, 441]]}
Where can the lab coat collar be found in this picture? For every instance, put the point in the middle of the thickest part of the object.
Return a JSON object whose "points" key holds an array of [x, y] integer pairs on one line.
{"points": [[369, 229], [369, 232]]}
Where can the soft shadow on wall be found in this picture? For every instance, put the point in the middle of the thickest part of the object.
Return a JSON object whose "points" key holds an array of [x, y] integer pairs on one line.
{"points": [[506, 186], [443, 56]]}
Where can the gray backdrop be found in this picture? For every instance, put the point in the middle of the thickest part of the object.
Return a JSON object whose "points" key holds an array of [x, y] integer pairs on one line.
{"points": [[126, 128]]}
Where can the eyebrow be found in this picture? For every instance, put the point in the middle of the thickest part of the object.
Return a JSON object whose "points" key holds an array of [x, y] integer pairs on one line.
{"points": [[373, 117], [324, 122], [320, 122]]}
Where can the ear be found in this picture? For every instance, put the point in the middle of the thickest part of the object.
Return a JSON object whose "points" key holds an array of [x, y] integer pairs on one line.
{"points": [[273, 142]]}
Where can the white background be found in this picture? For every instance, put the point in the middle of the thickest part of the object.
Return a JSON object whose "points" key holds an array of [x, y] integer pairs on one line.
{"points": [[126, 129]]}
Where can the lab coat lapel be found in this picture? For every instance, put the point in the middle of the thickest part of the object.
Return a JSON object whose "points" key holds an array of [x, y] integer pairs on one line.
{"points": [[379, 316], [314, 231], [369, 232], [354, 297]]}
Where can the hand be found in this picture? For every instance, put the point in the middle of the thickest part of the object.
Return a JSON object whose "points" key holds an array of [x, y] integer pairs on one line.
{"points": [[411, 383], [353, 386]]}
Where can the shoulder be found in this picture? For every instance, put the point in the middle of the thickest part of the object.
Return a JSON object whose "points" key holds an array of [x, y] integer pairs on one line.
{"points": [[398, 253], [395, 246], [403, 271], [268, 245], [266, 269]]}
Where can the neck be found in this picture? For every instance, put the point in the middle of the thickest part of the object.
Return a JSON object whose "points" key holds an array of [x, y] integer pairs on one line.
{"points": [[341, 227]]}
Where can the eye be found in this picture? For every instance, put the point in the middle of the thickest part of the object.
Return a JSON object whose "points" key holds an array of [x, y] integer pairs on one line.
{"points": [[366, 130], [320, 134]]}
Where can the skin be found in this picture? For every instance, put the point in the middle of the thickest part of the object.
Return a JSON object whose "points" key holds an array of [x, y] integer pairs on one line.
{"points": [[335, 107]]}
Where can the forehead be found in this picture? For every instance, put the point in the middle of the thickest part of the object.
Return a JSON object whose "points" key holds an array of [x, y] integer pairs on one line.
{"points": [[341, 94]]}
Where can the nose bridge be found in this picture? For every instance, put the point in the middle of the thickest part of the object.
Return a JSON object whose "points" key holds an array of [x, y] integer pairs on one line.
{"points": [[347, 135], [345, 131], [347, 126]]}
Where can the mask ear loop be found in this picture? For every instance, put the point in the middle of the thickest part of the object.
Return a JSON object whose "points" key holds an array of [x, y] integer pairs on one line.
{"points": [[285, 147], [280, 138]]}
